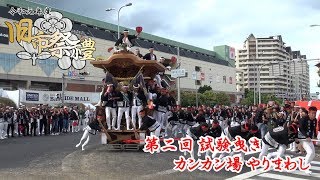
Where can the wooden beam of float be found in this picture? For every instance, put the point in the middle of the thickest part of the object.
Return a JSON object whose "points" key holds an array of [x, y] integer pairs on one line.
{"points": [[125, 64]]}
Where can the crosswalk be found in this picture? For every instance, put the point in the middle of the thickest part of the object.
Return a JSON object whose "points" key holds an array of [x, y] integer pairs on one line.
{"points": [[294, 175]]}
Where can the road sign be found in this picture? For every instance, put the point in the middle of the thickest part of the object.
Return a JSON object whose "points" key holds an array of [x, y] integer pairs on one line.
{"points": [[178, 73], [194, 75]]}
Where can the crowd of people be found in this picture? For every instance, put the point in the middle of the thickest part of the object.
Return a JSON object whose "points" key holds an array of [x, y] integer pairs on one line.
{"points": [[280, 127], [287, 127], [42, 120]]}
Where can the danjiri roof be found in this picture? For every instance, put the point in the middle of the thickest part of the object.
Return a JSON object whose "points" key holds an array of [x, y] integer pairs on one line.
{"points": [[105, 25]]}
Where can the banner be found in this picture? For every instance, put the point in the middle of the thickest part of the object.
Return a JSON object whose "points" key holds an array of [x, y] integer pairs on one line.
{"points": [[202, 76], [55, 97], [232, 53], [4, 35]]}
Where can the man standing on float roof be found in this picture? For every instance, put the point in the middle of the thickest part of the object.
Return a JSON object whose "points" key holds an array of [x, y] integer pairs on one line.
{"points": [[127, 39]]}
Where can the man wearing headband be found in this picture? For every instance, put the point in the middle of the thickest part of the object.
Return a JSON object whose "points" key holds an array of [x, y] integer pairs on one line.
{"points": [[161, 108], [215, 132], [91, 128], [139, 101], [278, 138], [110, 97], [245, 131], [195, 133], [126, 39], [149, 123], [124, 106], [174, 121], [137, 53], [150, 55], [307, 130]]}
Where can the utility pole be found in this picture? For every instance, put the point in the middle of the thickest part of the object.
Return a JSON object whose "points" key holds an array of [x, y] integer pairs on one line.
{"points": [[178, 79], [197, 101], [63, 85]]}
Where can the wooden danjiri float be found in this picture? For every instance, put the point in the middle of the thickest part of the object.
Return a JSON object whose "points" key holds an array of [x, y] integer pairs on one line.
{"points": [[124, 66]]}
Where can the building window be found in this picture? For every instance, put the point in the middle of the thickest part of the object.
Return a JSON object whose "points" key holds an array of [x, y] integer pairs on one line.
{"points": [[224, 79], [197, 68], [230, 80], [198, 82]]}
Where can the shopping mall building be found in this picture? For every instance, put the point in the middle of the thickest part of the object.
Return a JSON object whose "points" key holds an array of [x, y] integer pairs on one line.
{"points": [[214, 68]]}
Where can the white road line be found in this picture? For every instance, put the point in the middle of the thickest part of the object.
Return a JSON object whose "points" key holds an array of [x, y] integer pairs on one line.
{"points": [[315, 168], [277, 176], [247, 174], [301, 173], [315, 162]]}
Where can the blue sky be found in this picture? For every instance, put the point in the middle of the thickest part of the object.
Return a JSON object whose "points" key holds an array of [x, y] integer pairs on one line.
{"points": [[208, 23]]}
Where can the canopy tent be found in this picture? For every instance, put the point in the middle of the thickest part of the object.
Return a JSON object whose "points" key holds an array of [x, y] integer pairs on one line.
{"points": [[89, 105], [307, 104]]}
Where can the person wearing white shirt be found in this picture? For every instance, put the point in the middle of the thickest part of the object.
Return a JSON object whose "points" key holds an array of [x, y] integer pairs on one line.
{"points": [[86, 117]]}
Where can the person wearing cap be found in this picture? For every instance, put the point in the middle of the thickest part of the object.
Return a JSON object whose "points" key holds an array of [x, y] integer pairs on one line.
{"points": [[124, 103], [137, 53], [139, 101], [127, 39], [195, 133], [150, 55]]}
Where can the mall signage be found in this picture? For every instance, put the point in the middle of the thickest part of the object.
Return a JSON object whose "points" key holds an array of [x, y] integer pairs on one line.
{"points": [[50, 36]]}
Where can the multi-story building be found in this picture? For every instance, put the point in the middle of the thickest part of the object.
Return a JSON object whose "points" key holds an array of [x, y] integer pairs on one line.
{"points": [[213, 69], [275, 66]]}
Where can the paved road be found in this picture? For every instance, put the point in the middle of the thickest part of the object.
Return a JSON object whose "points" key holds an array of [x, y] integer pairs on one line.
{"points": [[55, 157]]}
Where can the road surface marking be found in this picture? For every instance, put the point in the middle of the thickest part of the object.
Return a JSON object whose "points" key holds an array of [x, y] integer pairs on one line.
{"points": [[277, 176], [301, 173]]}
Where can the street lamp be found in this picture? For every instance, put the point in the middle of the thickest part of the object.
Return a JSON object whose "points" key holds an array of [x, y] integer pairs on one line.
{"points": [[110, 9]]}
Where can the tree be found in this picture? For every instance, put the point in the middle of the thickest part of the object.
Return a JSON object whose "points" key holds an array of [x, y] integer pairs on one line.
{"points": [[188, 99], [204, 88], [222, 98], [207, 98], [265, 98]]}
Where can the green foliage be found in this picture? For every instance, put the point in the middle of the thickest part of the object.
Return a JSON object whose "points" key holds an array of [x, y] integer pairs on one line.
{"points": [[222, 98], [204, 88], [265, 98], [7, 102], [208, 98], [188, 99]]}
